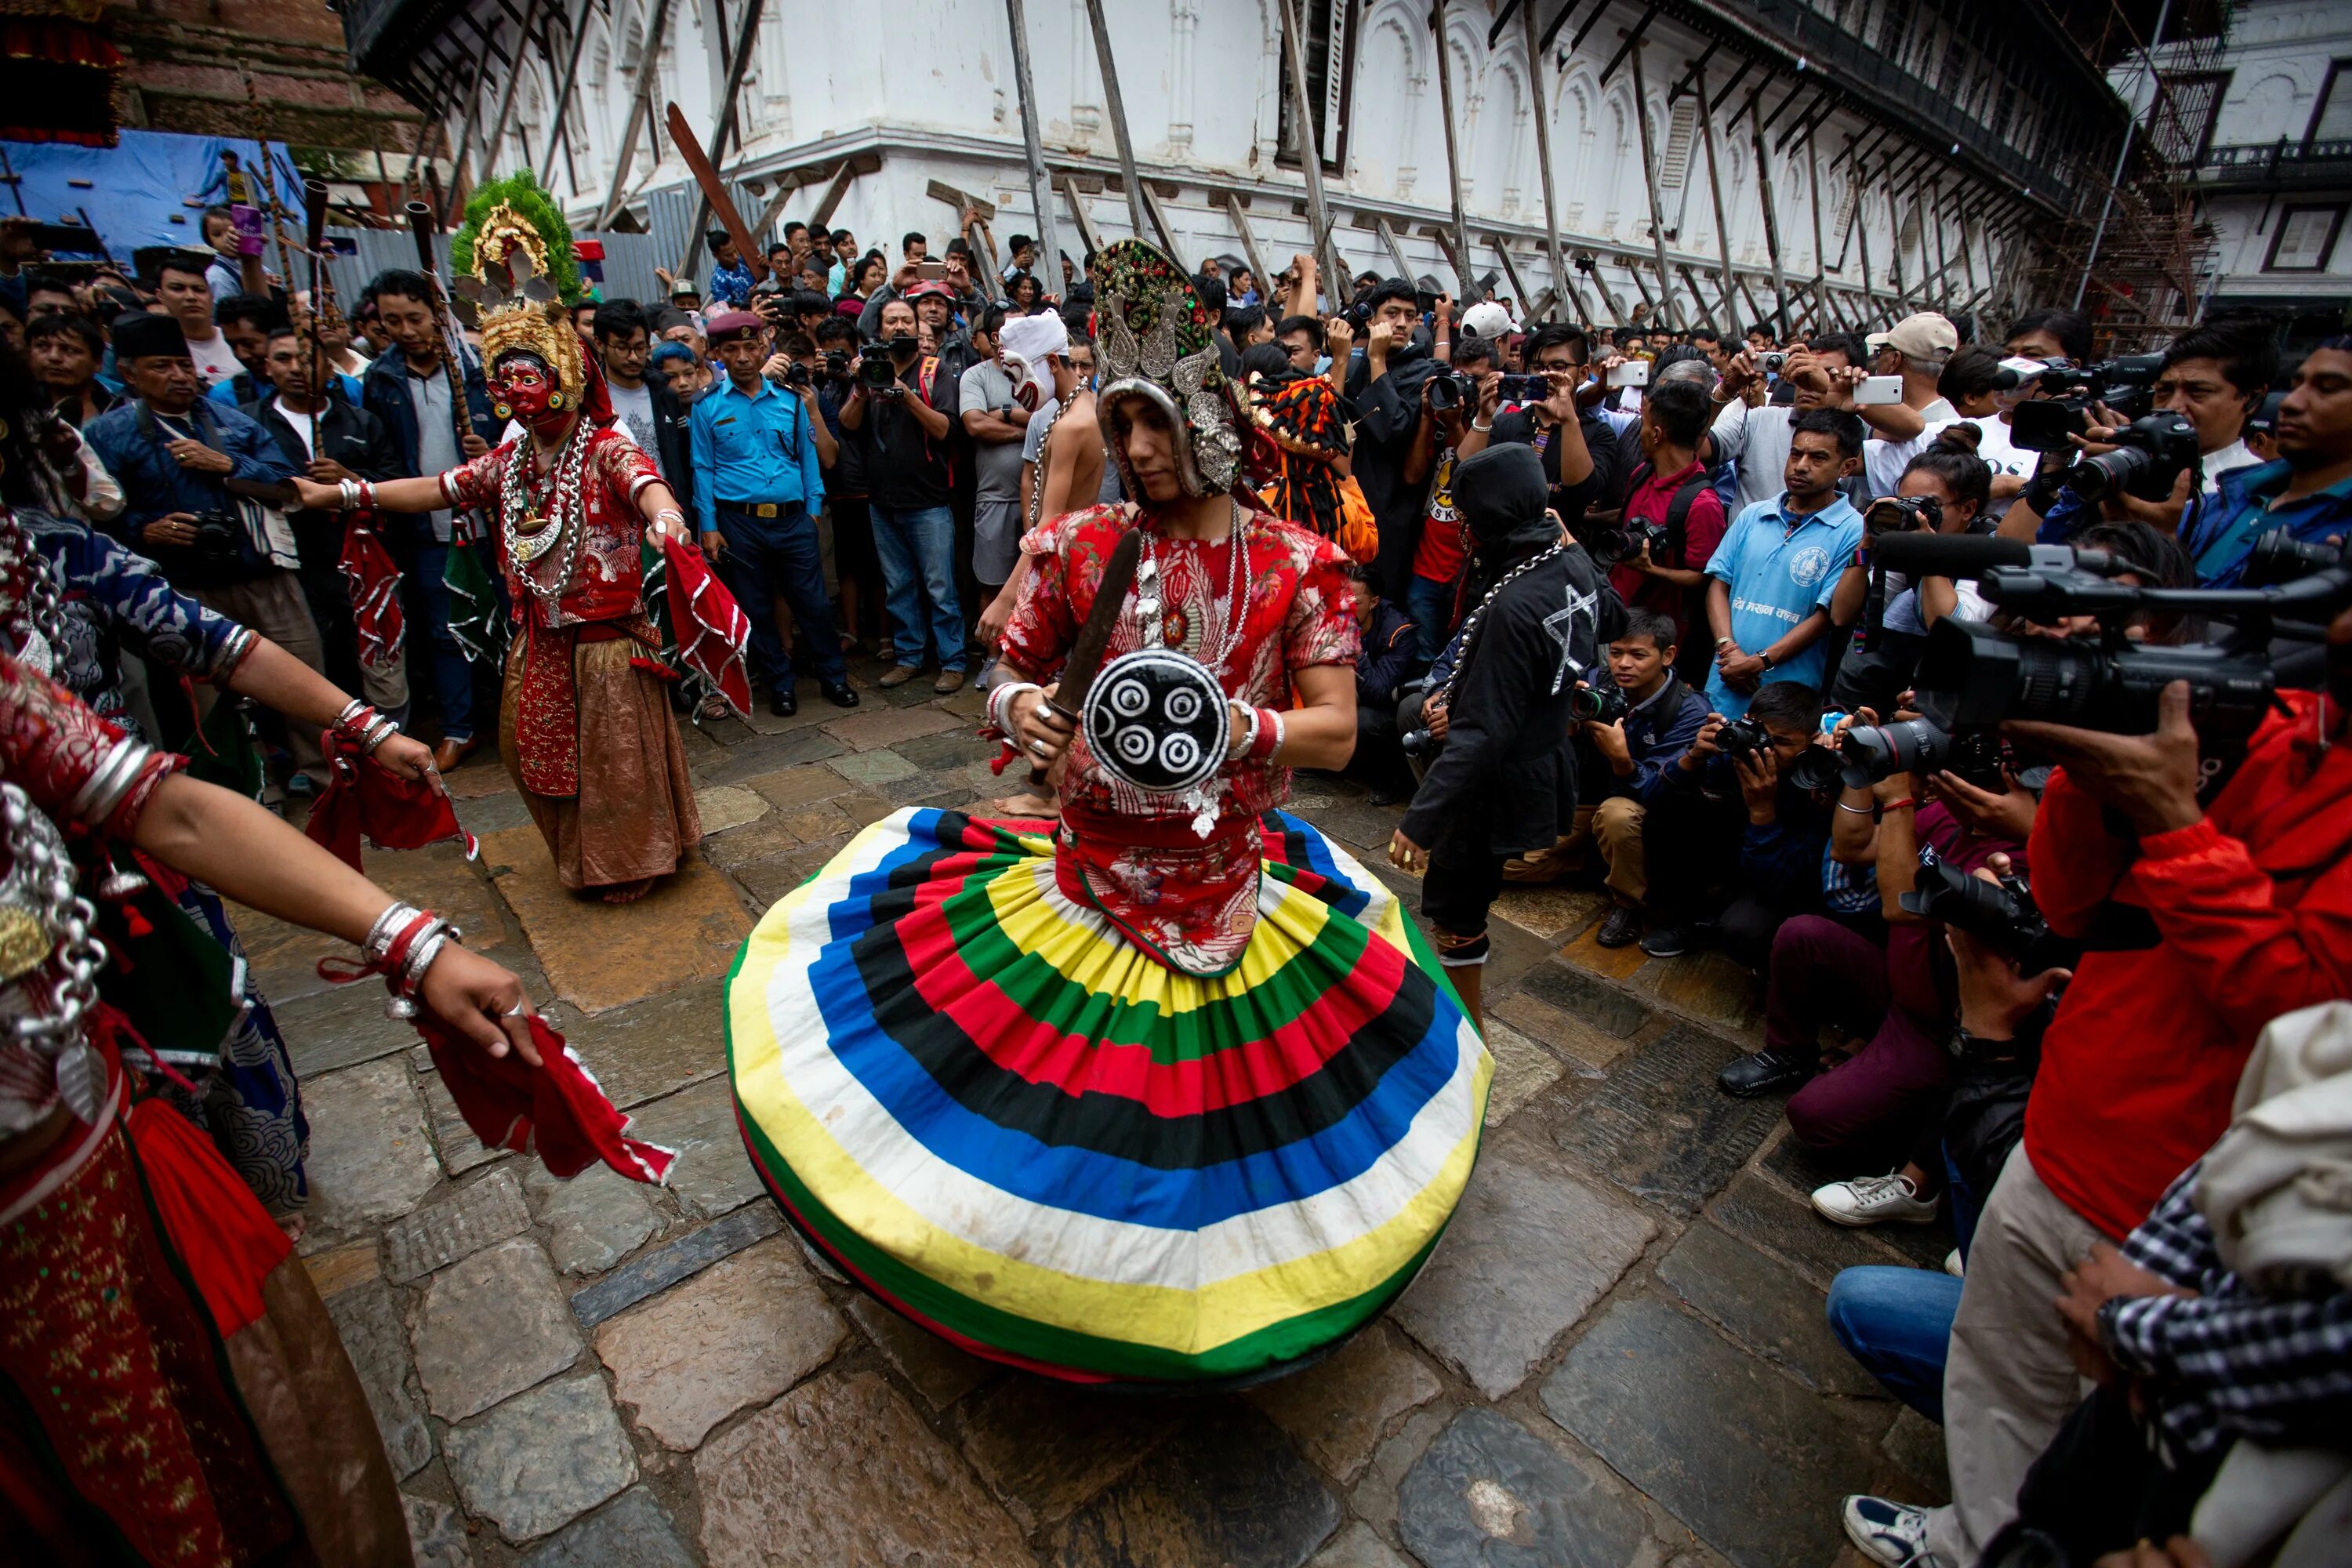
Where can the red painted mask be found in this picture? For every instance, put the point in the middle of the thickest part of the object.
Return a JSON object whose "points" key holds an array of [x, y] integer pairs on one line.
{"points": [[531, 390]]}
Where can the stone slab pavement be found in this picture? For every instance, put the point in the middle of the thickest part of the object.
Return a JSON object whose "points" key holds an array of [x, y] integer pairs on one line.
{"points": [[1617, 1357]]}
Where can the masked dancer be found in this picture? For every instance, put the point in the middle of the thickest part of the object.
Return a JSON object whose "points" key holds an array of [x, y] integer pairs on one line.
{"points": [[1168, 1091]]}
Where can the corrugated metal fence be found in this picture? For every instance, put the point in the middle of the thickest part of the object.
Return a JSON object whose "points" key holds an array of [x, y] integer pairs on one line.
{"points": [[629, 259]]}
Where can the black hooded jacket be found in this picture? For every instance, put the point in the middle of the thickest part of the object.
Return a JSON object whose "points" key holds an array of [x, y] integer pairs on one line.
{"points": [[1388, 417], [1506, 781]]}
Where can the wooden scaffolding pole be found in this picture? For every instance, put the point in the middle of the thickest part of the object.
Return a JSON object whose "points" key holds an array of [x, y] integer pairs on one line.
{"points": [[1117, 107], [560, 131], [1715, 187], [641, 104], [1764, 196], [1460, 248], [1542, 102], [1634, 47], [507, 97], [730, 101], [1041, 183], [1310, 157]]}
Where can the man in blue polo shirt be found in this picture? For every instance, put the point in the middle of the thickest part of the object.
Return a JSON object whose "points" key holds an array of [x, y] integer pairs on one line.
{"points": [[2307, 491], [758, 452], [1768, 594]]}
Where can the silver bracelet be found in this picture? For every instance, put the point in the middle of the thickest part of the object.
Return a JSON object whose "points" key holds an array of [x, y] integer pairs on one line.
{"points": [[389, 924], [1857, 810], [348, 491], [352, 710], [1278, 735], [1000, 702], [1249, 740], [426, 950]]}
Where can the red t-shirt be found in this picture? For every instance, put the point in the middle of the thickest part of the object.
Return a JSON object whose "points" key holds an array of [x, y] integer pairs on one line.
{"points": [[1441, 552], [1703, 530]]}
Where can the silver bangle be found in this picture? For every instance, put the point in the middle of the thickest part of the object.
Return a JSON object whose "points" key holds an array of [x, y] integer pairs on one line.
{"points": [[1249, 740], [1000, 702], [1857, 810], [427, 948], [389, 924], [352, 710], [348, 491], [1278, 734]]}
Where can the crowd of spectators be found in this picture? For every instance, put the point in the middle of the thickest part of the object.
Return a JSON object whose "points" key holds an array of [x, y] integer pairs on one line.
{"points": [[864, 441]]}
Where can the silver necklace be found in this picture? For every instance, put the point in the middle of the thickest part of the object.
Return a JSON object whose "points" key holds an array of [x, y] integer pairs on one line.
{"points": [[1150, 608], [44, 925], [564, 523], [36, 621], [1470, 623]]}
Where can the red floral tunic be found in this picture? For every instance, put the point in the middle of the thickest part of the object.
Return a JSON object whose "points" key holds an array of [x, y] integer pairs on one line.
{"points": [[610, 585], [1133, 854]]}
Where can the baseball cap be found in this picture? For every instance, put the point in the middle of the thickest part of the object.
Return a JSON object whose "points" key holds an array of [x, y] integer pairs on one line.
{"points": [[1489, 320], [930, 285], [1923, 336]]}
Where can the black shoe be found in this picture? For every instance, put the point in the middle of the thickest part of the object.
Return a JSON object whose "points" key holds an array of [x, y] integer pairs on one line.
{"points": [[840, 693], [782, 703], [1761, 1072], [1390, 794], [1622, 926], [1669, 941]]}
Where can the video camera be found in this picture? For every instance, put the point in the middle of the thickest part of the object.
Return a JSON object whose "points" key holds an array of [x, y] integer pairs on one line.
{"points": [[2126, 385], [2002, 915], [1972, 676]]}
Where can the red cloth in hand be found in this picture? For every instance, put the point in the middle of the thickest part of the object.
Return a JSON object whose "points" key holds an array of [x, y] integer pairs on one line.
{"points": [[375, 585], [708, 624], [557, 1111], [365, 798]]}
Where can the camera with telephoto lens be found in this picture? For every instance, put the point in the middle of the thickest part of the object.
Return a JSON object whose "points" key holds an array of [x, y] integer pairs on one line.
{"points": [[2002, 915], [220, 537], [2150, 454], [1744, 736], [1903, 514], [1971, 674], [1870, 752], [1816, 768], [1609, 546], [1604, 704], [2278, 556]]}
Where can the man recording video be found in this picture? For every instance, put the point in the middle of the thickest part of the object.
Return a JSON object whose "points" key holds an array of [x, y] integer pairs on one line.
{"points": [[2212, 376], [2204, 922]]}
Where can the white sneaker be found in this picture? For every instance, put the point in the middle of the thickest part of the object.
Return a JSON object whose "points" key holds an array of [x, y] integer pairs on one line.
{"points": [[1952, 1264], [1894, 1534], [1874, 1200]]}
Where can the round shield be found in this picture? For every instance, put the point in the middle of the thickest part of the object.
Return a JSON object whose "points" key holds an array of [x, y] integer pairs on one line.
{"points": [[1157, 718]]}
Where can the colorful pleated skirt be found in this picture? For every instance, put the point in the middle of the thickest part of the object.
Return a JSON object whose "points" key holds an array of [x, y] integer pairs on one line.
{"points": [[1022, 1131]]}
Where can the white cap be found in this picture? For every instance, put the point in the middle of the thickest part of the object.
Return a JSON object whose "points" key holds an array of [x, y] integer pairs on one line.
{"points": [[1926, 336], [1489, 320]]}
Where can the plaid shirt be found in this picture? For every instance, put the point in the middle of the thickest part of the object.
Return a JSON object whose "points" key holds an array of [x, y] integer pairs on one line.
{"points": [[2228, 1363]]}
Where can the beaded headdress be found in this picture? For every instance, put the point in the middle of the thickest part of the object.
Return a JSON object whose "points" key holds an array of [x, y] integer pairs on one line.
{"points": [[1156, 342], [513, 269]]}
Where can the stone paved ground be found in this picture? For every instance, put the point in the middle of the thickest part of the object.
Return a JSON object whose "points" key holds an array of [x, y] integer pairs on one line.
{"points": [[1617, 1357]]}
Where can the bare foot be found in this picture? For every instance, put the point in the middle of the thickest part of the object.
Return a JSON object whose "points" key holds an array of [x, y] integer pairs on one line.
{"points": [[293, 1224], [1022, 806], [627, 892]]}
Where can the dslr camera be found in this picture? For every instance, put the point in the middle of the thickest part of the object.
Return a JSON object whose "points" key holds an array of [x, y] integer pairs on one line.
{"points": [[837, 363], [1449, 390], [1602, 704], [1743, 737], [2001, 914], [1609, 546], [220, 538], [796, 376], [1870, 752], [2150, 454], [1903, 514]]}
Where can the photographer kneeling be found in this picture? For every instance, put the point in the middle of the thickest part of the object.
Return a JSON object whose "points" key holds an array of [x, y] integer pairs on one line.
{"points": [[1505, 782], [1637, 723], [1725, 815]]}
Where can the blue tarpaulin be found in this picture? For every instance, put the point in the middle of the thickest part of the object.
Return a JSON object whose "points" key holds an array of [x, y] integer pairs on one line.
{"points": [[140, 192]]}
